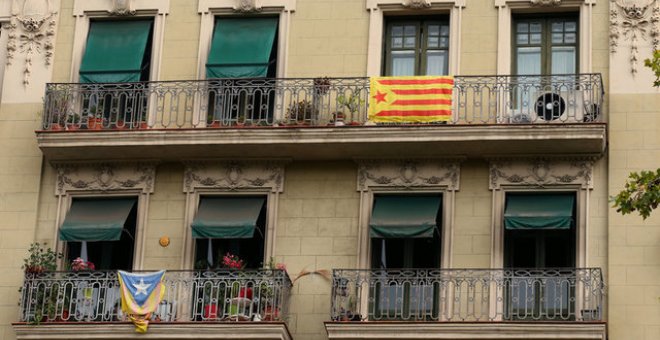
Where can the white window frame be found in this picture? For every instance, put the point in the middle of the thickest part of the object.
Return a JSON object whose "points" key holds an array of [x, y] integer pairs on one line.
{"points": [[105, 180], [378, 9], [84, 10], [209, 9], [231, 179], [506, 9]]}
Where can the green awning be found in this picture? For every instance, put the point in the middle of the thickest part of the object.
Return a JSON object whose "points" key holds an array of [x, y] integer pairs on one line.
{"points": [[241, 47], [227, 217], [547, 211], [404, 216], [96, 219], [115, 51]]}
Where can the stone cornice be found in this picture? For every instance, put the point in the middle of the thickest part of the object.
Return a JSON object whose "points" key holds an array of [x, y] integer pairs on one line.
{"points": [[234, 175], [408, 174]]}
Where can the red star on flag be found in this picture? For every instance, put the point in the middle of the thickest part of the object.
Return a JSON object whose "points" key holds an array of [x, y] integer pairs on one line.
{"points": [[380, 97]]}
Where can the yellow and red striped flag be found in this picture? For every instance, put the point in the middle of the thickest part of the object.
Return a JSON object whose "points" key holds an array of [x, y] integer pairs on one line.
{"points": [[422, 99]]}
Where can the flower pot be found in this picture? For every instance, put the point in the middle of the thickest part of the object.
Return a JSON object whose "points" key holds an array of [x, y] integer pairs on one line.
{"points": [[56, 127], [72, 127], [95, 123], [245, 293], [143, 126], [239, 309], [271, 313], [120, 125], [213, 124], [210, 311]]}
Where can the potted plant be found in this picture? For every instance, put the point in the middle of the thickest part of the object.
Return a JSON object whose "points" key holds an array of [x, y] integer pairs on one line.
{"points": [[40, 259], [352, 103], [72, 121], [302, 112]]}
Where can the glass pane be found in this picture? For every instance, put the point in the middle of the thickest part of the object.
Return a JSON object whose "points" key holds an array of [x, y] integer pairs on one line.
{"points": [[557, 26], [434, 30], [522, 27], [570, 38], [397, 31], [444, 42], [444, 30], [523, 39], [557, 38], [436, 63], [563, 60], [535, 38], [433, 42], [410, 30], [529, 60], [403, 63], [409, 42], [570, 26], [535, 27], [397, 42]]}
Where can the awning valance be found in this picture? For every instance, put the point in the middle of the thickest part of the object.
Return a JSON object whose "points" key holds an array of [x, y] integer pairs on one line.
{"points": [[539, 211], [114, 52], [96, 219], [241, 47], [227, 217], [404, 216]]}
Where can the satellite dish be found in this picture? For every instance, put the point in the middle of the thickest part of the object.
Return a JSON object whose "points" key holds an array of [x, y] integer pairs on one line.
{"points": [[550, 106]]}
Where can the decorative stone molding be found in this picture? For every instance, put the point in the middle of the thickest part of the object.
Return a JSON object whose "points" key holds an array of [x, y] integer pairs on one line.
{"points": [[541, 173], [247, 6], [634, 21], [545, 2], [31, 32], [417, 3], [122, 8], [104, 177], [408, 174], [234, 175]]}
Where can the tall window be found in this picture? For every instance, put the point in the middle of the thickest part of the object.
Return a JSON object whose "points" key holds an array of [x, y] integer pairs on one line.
{"points": [[545, 45], [416, 47]]}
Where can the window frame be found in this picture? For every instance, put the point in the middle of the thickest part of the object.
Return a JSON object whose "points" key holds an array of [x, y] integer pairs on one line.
{"points": [[421, 48]]}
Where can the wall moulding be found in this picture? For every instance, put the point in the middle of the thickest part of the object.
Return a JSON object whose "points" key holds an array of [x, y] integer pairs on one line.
{"points": [[541, 173], [234, 175], [408, 174], [105, 177], [637, 22]]}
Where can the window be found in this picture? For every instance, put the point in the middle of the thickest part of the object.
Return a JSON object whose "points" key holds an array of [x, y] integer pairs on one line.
{"points": [[404, 235], [229, 224], [545, 45], [242, 48], [102, 231], [416, 47], [540, 244]]}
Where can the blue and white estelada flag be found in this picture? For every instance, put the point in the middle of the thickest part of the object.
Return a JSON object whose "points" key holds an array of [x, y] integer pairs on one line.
{"points": [[140, 296]]}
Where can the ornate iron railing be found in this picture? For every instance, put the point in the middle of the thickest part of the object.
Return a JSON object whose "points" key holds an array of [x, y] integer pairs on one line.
{"points": [[218, 295], [575, 98], [467, 294]]}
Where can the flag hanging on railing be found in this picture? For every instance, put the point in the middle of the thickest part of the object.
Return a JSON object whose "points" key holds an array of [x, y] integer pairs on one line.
{"points": [[423, 99], [140, 296]]}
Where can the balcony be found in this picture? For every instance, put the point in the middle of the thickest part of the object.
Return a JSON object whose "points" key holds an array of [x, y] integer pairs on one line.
{"points": [[318, 118], [467, 303], [225, 304]]}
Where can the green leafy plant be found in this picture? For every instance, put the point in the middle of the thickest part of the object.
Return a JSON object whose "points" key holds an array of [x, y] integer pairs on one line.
{"points": [[40, 259], [302, 111], [352, 102], [654, 64]]}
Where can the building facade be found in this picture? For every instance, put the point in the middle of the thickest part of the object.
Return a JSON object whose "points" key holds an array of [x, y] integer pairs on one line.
{"points": [[165, 134]]}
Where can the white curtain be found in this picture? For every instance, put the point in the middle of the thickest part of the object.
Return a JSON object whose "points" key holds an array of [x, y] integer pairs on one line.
{"points": [[403, 63], [529, 61], [436, 63], [563, 60]]}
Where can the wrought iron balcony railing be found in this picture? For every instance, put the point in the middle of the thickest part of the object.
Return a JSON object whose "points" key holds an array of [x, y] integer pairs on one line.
{"points": [[468, 295], [218, 295], [574, 98]]}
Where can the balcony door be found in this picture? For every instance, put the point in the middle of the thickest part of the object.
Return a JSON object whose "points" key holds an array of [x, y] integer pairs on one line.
{"points": [[417, 47], [540, 251], [405, 244]]}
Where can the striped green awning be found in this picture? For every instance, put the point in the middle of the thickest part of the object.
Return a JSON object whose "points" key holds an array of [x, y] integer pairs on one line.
{"points": [[227, 217], [96, 219], [539, 211], [404, 216], [115, 51], [241, 47]]}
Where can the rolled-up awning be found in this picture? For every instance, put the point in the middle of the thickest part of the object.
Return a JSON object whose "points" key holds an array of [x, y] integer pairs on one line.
{"points": [[96, 219], [539, 211], [241, 47], [227, 217], [115, 51], [404, 216]]}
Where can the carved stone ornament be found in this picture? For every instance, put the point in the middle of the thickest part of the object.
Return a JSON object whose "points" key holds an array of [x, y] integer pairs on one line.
{"points": [[417, 4], [545, 3], [104, 177], [408, 174], [541, 173], [30, 33], [247, 6], [122, 8], [635, 20], [234, 175]]}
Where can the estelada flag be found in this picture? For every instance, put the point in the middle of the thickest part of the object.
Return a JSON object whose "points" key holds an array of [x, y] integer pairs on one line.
{"points": [[140, 296], [422, 99]]}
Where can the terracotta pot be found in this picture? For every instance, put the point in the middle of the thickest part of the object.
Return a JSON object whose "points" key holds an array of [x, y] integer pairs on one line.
{"points": [[271, 313], [56, 127], [121, 125], [143, 126], [94, 123]]}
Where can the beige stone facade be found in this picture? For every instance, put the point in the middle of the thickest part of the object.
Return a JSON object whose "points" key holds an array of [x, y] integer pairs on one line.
{"points": [[318, 207]]}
